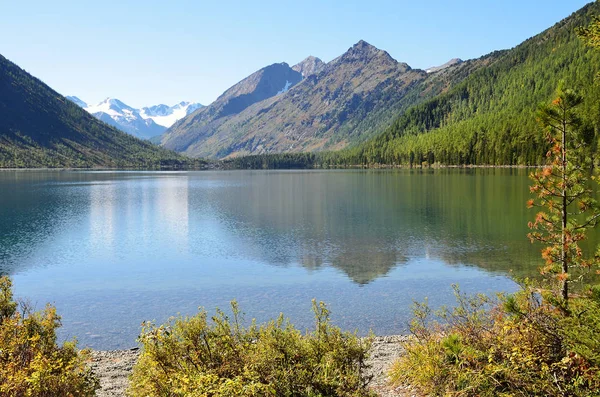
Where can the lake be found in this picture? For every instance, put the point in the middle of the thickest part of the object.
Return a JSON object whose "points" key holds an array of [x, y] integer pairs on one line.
{"points": [[112, 249]]}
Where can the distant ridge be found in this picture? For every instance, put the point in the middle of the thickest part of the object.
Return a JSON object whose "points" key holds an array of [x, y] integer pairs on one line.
{"points": [[144, 123], [41, 128]]}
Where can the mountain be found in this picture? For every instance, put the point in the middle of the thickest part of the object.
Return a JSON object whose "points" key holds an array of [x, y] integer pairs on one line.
{"points": [[41, 128], [167, 115], [310, 65], [268, 82], [143, 123], [490, 116], [116, 113], [336, 104]]}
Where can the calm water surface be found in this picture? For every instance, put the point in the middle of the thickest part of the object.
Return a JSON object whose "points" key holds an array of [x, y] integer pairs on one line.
{"points": [[112, 249]]}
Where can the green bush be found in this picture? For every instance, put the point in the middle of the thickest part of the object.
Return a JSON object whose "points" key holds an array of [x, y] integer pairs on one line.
{"points": [[581, 330], [516, 345], [191, 356], [31, 363]]}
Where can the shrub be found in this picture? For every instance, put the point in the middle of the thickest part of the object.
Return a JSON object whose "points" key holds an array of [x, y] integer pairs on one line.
{"points": [[31, 363], [190, 356], [581, 330], [514, 345]]}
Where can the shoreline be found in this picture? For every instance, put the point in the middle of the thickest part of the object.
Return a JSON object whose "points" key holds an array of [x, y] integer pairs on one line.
{"points": [[221, 168], [114, 366]]}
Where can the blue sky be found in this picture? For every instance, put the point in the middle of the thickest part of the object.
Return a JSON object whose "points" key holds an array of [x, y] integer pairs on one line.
{"points": [[150, 52]]}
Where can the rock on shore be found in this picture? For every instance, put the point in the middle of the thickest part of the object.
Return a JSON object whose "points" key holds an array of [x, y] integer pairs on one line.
{"points": [[113, 368]]}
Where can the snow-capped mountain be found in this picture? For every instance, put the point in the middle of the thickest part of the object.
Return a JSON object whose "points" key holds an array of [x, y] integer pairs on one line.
{"points": [[167, 115], [114, 112], [143, 123]]}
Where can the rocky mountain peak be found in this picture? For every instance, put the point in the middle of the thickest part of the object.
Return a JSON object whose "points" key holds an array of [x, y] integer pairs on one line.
{"points": [[365, 53], [260, 115], [364, 45], [309, 66]]}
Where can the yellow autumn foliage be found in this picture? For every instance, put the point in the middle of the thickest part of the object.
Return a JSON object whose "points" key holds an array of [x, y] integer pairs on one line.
{"points": [[197, 356], [31, 362], [516, 345]]}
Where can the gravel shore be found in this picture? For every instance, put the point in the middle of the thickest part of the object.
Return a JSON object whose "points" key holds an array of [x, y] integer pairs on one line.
{"points": [[113, 368]]}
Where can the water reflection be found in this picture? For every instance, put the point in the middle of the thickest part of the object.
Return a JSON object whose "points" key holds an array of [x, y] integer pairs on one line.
{"points": [[112, 249], [366, 223], [102, 218], [31, 213]]}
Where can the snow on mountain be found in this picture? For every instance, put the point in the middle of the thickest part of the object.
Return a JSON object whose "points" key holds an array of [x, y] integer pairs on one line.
{"points": [[285, 88], [114, 108], [143, 123], [116, 113], [167, 115]]}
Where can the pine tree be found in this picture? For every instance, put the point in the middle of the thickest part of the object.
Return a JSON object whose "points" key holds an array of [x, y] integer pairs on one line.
{"points": [[562, 190]]}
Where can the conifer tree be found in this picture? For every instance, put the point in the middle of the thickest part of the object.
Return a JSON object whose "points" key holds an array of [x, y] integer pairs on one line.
{"points": [[562, 191]]}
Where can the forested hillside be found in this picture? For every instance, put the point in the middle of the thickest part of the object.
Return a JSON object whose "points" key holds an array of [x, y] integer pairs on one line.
{"points": [[490, 117], [41, 128]]}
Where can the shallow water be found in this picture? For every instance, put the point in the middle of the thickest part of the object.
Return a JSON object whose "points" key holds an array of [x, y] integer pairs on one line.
{"points": [[112, 249]]}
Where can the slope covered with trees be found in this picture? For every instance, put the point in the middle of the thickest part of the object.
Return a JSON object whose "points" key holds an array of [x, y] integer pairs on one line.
{"points": [[543, 339], [487, 119], [41, 128]]}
